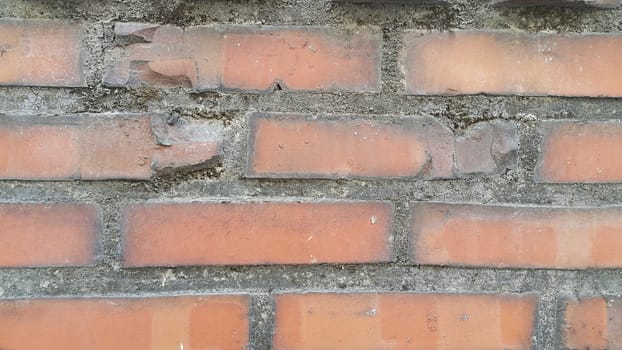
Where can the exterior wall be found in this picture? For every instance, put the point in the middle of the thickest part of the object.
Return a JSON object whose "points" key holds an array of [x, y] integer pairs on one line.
{"points": [[310, 174]]}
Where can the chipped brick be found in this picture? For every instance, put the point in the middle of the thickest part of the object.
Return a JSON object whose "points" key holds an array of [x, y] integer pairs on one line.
{"points": [[108, 146]]}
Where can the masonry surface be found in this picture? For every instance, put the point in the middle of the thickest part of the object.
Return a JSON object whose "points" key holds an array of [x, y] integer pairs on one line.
{"points": [[304, 174]]}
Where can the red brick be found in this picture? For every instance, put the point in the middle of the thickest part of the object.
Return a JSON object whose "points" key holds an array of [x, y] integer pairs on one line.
{"points": [[40, 53], [48, 234], [296, 146], [593, 323], [248, 58], [187, 322], [581, 152], [168, 234], [403, 321], [592, 3], [516, 236], [507, 63], [93, 147]]}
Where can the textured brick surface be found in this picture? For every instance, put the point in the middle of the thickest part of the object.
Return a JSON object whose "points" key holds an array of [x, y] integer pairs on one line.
{"points": [[48, 234], [516, 236], [592, 323], [581, 152], [40, 53], [585, 324], [169, 234], [403, 321], [188, 322], [295, 146], [405, 174], [249, 58], [506, 63], [111, 146]]}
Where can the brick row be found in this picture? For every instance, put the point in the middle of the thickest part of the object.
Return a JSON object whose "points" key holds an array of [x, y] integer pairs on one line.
{"points": [[303, 321], [318, 320], [315, 232], [140, 146], [258, 59]]}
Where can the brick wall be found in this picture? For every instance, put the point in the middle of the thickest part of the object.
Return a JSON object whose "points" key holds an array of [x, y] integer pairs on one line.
{"points": [[310, 174]]}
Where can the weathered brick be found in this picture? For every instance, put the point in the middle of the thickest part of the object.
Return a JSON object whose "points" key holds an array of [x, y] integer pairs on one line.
{"points": [[574, 151], [47, 235], [108, 146], [486, 148], [169, 234], [186, 322], [507, 63], [516, 236], [297, 146], [592, 3], [248, 58], [40, 53], [593, 323], [403, 321]]}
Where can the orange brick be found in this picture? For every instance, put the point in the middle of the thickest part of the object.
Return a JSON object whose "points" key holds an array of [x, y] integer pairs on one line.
{"points": [[187, 322], [403, 321], [516, 236], [297, 146], [168, 234], [581, 152], [585, 324], [506, 63], [40, 53], [48, 235], [93, 147], [249, 58]]}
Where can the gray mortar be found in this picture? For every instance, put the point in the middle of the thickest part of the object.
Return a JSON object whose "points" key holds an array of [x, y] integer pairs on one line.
{"points": [[108, 278]]}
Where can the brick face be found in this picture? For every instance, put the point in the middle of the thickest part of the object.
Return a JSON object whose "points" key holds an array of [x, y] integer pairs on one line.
{"points": [[40, 53], [403, 321], [295, 146], [249, 58], [257, 233], [516, 236], [48, 234], [581, 152], [505, 63], [96, 147], [592, 323], [187, 322]]}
